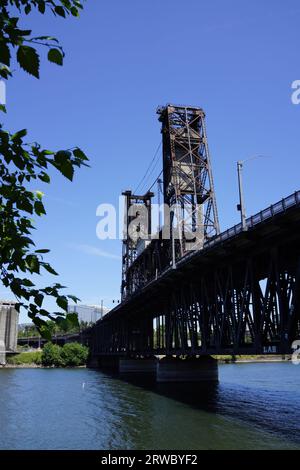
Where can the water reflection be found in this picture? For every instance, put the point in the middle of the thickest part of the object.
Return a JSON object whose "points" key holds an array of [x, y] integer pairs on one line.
{"points": [[251, 407]]}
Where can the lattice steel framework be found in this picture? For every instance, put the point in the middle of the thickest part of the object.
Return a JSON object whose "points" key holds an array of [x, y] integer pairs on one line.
{"points": [[188, 179], [135, 208], [251, 306], [239, 295]]}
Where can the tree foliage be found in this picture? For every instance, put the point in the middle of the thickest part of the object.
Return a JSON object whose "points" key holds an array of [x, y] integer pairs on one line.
{"points": [[51, 355], [64, 326], [23, 163], [70, 355], [74, 354]]}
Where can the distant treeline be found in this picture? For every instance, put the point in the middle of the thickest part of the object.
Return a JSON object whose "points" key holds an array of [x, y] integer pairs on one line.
{"points": [[65, 327]]}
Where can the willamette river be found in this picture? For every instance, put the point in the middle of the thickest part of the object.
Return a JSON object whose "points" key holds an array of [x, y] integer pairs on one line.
{"points": [[255, 406]]}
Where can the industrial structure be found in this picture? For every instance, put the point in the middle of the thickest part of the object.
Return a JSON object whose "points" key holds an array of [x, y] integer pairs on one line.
{"points": [[199, 292], [9, 318]]}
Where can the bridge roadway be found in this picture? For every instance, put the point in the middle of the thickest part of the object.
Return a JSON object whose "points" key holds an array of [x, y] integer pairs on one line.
{"points": [[61, 339], [240, 294]]}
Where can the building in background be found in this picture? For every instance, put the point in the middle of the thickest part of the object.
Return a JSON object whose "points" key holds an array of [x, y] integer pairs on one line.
{"points": [[9, 318], [88, 313]]}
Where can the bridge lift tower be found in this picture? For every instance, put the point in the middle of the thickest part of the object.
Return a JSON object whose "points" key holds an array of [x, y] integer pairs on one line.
{"points": [[136, 207], [189, 194], [187, 175]]}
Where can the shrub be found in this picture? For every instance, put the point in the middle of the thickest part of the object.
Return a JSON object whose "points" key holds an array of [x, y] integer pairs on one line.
{"points": [[74, 354], [51, 355], [70, 355]]}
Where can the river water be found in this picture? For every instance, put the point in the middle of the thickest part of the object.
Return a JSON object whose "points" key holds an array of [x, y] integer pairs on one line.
{"points": [[254, 406]]}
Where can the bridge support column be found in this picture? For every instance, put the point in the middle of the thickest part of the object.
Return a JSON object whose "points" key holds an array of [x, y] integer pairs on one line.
{"points": [[109, 362], [174, 369], [137, 366], [93, 362], [2, 353], [103, 362]]}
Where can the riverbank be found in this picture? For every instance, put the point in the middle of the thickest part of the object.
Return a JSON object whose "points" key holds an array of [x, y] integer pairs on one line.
{"points": [[52, 355], [37, 366], [252, 359], [33, 360]]}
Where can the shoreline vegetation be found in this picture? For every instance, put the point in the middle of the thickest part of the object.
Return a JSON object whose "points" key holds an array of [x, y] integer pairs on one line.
{"points": [[75, 355], [52, 355], [258, 358]]}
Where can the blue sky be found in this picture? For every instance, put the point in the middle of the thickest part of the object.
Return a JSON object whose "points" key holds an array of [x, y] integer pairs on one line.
{"points": [[236, 59]]}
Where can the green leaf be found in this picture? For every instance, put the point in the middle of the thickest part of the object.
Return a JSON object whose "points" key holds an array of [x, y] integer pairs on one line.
{"points": [[45, 38], [19, 135], [33, 263], [60, 11], [62, 302], [4, 53], [29, 60], [24, 32], [39, 299], [39, 208], [72, 318], [27, 283], [63, 164], [39, 194], [45, 332], [5, 71], [74, 11], [43, 312], [44, 177], [74, 298], [78, 153], [27, 9], [25, 205], [55, 55], [42, 7], [26, 241], [49, 269], [3, 108], [67, 170], [62, 155], [42, 251]]}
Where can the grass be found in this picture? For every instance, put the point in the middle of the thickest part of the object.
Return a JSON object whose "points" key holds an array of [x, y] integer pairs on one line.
{"points": [[25, 358], [249, 358]]}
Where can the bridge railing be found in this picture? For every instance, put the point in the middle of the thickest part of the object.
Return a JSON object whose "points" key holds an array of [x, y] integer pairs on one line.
{"points": [[145, 277], [269, 212]]}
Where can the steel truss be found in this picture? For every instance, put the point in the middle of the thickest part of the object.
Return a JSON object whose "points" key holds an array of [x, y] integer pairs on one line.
{"points": [[188, 179], [251, 306], [137, 212]]}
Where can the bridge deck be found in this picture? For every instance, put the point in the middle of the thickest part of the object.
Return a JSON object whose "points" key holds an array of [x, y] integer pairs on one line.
{"points": [[270, 224], [240, 293]]}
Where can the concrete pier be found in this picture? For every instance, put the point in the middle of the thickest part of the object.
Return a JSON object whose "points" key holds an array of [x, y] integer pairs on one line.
{"points": [[93, 362], [9, 318], [108, 362], [174, 369], [137, 366]]}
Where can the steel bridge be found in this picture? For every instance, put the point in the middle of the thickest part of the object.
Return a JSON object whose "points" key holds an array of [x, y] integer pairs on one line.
{"points": [[200, 292]]}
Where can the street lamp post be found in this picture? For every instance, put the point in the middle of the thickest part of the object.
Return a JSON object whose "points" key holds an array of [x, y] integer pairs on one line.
{"points": [[241, 205]]}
